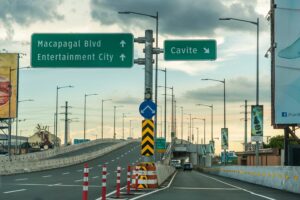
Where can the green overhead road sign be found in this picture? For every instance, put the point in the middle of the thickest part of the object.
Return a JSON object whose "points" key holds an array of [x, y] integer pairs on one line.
{"points": [[190, 50], [82, 50], [160, 145]]}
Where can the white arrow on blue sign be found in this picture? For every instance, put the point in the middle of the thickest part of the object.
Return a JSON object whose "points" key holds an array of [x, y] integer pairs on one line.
{"points": [[147, 109]]}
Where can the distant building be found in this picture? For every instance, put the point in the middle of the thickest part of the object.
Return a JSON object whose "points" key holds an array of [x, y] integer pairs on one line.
{"points": [[267, 157]]}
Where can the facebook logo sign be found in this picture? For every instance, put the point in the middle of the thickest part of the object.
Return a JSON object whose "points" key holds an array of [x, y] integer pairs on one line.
{"points": [[284, 114]]}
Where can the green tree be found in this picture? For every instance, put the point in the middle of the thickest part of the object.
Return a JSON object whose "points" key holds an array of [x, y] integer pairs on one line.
{"points": [[277, 142]]}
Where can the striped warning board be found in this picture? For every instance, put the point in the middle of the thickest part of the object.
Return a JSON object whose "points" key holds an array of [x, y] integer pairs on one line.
{"points": [[147, 138]]}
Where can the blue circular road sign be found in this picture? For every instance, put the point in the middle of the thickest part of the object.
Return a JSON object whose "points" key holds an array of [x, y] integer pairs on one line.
{"points": [[147, 109]]}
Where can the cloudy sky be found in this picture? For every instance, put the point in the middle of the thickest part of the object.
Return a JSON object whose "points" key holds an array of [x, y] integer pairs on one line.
{"points": [[178, 19]]}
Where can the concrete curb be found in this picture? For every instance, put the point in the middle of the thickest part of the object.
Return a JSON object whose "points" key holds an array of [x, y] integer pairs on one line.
{"points": [[40, 165], [279, 177]]}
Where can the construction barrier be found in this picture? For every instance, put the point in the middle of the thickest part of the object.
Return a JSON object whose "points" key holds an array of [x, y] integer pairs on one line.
{"points": [[118, 182], [104, 171], [128, 179], [85, 182], [146, 176]]}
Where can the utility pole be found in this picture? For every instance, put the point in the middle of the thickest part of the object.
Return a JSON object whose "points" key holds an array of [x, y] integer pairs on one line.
{"points": [[246, 122], [66, 113]]}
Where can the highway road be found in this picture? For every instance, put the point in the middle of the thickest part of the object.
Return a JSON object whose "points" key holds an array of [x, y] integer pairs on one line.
{"points": [[196, 186], [85, 150], [66, 183]]}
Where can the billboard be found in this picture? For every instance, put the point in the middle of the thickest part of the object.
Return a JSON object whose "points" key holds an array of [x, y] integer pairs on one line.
{"points": [[8, 85], [287, 63], [224, 138], [257, 126]]}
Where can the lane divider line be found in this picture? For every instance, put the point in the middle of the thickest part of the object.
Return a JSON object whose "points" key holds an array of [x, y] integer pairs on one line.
{"points": [[21, 179], [195, 188], [253, 193], [13, 191], [47, 176], [152, 192]]}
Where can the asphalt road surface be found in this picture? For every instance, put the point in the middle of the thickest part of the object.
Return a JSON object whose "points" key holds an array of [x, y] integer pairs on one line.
{"points": [[85, 150], [66, 183], [197, 186]]}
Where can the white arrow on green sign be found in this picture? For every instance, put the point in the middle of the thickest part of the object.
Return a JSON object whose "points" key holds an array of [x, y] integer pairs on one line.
{"points": [[190, 50], [82, 50]]}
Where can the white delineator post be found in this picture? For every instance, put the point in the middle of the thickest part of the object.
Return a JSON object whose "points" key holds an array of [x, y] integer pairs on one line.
{"points": [[136, 177], [128, 179], [104, 172], [118, 182], [85, 182]]}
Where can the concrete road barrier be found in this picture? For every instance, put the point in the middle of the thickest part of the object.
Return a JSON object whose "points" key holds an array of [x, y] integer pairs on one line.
{"points": [[163, 172], [54, 152], [279, 177], [39, 165]]}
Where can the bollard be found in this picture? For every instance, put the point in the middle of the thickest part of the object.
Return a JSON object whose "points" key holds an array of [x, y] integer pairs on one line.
{"points": [[136, 177], [104, 170], [85, 182], [128, 179], [118, 182]]}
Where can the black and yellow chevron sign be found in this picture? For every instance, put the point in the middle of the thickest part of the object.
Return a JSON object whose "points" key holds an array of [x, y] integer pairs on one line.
{"points": [[147, 138]]}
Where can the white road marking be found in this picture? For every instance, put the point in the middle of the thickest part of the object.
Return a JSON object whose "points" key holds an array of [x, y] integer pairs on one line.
{"points": [[80, 170], [95, 177], [21, 179], [112, 160], [113, 192], [99, 165], [47, 176], [91, 168], [59, 185], [79, 180], [118, 158], [65, 173], [253, 193], [12, 191], [157, 189], [107, 163], [195, 188], [56, 184]]}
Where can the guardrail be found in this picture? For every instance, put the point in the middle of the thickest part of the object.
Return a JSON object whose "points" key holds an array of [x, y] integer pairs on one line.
{"points": [[53, 152], [39, 165], [279, 177]]}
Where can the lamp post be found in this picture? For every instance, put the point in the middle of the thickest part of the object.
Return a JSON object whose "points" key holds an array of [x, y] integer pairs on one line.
{"points": [[256, 23], [204, 124], [193, 125], [212, 119], [165, 122], [156, 65], [181, 124], [17, 122], [123, 118], [102, 104], [84, 120], [56, 110], [221, 81], [115, 109]]}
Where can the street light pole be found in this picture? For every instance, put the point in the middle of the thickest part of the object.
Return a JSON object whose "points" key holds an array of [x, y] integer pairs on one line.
{"points": [[115, 108], [221, 81], [17, 123], [204, 124], [56, 111], [165, 122], [102, 104], [84, 120], [257, 70], [181, 124], [212, 119]]}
